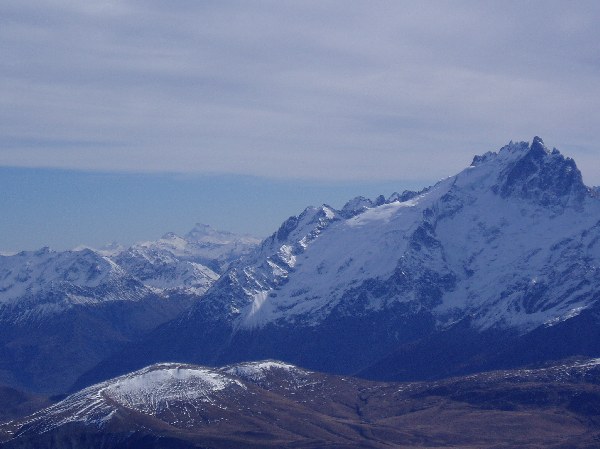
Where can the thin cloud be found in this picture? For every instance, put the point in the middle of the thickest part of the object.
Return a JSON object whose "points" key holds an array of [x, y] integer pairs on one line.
{"points": [[313, 90]]}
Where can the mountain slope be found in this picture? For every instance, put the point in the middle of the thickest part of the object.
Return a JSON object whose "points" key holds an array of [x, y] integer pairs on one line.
{"points": [[509, 245], [63, 312], [271, 404], [517, 219]]}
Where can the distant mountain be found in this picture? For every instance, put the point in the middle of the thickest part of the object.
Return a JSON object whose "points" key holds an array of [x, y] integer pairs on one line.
{"points": [[63, 312], [504, 255], [191, 263], [219, 246], [35, 283], [174, 263], [270, 404]]}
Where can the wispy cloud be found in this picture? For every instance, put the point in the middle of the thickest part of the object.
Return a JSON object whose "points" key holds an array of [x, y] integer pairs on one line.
{"points": [[326, 90]]}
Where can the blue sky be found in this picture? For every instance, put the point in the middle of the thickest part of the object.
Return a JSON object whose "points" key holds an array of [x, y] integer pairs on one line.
{"points": [[204, 108], [64, 208]]}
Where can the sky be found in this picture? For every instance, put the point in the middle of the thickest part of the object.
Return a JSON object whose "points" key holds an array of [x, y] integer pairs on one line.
{"points": [[122, 120]]}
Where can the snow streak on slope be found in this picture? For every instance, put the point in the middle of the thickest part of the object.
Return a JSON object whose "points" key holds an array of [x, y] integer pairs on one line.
{"points": [[258, 371], [170, 391], [151, 391]]}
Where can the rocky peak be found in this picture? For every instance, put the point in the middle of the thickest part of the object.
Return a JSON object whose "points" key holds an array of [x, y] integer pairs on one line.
{"points": [[200, 232], [542, 175], [531, 172], [356, 206]]}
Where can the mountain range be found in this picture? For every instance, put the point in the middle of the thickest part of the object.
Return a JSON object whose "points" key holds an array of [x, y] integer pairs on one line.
{"points": [[445, 281], [492, 270], [63, 312]]}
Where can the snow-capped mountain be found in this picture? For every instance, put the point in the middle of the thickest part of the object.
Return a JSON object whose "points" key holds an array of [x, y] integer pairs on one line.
{"points": [[203, 244], [190, 264], [61, 312], [496, 267], [45, 281], [220, 246], [511, 244], [520, 219], [161, 270], [270, 404], [168, 391]]}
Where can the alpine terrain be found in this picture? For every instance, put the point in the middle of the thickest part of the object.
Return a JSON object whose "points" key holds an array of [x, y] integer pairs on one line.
{"points": [[495, 267], [463, 315], [63, 312], [269, 404]]}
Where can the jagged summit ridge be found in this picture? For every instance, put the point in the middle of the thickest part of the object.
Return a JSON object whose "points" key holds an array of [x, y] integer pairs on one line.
{"points": [[532, 171], [494, 223], [544, 175], [528, 171]]}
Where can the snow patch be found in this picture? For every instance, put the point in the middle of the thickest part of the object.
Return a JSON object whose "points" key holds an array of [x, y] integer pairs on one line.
{"points": [[257, 371], [152, 389]]}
